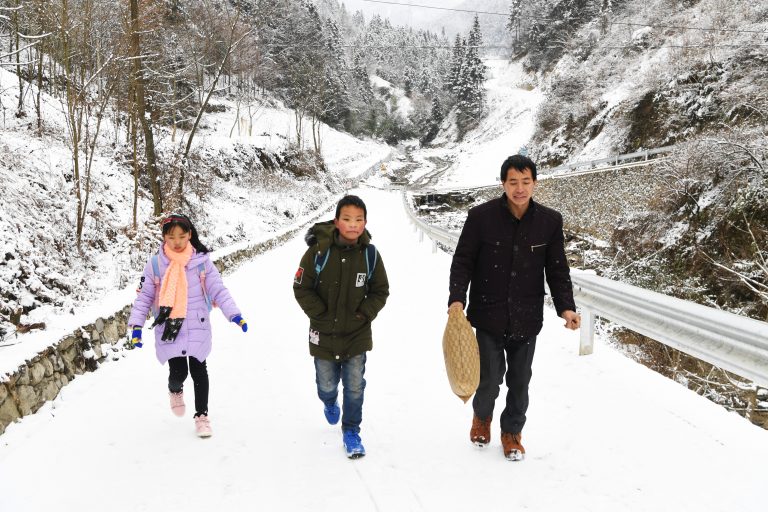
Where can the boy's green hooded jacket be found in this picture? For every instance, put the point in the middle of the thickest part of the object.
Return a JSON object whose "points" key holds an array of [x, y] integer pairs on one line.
{"points": [[342, 304]]}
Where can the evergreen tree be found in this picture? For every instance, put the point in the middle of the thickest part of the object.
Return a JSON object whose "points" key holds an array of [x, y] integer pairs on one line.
{"points": [[606, 9], [457, 62], [534, 35], [334, 102], [470, 93], [515, 18]]}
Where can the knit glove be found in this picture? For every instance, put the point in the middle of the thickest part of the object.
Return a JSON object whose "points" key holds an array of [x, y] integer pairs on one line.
{"points": [[135, 338], [172, 328], [162, 316], [237, 319]]}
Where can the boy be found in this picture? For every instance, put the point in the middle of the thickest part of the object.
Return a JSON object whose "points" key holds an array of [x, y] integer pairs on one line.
{"points": [[341, 285]]}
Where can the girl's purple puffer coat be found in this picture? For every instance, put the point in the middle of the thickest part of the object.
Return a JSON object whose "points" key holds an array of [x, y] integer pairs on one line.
{"points": [[194, 339]]}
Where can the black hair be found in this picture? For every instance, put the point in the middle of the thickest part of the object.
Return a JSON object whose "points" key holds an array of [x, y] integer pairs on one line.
{"points": [[181, 220], [519, 163], [350, 200]]}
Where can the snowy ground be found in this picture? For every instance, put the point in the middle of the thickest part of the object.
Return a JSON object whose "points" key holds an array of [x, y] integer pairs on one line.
{"points": [[604, 434]]}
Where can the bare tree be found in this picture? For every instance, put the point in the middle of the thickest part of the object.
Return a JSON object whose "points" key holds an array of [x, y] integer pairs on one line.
{"points": [[237, 33], [141, 108]]}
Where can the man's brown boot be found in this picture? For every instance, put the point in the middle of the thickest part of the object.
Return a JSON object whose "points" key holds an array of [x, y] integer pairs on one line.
{"points": [[480, 433], [513, 449]]}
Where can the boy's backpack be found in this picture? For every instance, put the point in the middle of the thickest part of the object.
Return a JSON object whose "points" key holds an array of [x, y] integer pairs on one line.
{"points": [[370, 260], [156, 274]]}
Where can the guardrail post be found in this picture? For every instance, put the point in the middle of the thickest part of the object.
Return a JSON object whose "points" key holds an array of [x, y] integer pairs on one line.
{"points": [[587, 332], [421, 235]]}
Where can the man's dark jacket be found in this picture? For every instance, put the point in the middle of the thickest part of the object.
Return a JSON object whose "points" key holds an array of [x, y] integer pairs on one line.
{"points": [[506, 267], [341, 303]]}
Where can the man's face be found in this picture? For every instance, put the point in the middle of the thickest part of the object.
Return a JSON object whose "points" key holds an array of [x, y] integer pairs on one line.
{"points": [[351, 223], [519, 186]]}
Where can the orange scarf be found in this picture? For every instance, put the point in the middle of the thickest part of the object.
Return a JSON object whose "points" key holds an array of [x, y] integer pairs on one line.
{"points": [[173, 290]]}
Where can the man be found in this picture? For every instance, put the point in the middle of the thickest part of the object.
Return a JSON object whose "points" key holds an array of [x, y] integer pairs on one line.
{"points": [[505, 249]]}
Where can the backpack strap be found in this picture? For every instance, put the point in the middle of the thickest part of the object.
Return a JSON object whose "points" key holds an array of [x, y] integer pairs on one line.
{"points": [[321, 258], [156, 279], [201, 271], [370, 259]]}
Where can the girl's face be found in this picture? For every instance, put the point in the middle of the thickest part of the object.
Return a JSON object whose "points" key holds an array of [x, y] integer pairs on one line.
{"points": [[177, 239]]}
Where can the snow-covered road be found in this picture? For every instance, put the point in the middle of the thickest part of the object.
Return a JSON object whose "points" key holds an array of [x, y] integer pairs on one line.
{"points": [[604, 434]]}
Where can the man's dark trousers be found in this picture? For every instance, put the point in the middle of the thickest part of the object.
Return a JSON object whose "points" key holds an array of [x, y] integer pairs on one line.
{"points": [[519, 357]]}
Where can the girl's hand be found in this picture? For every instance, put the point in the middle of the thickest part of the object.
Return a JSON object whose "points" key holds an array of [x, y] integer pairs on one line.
{"points": [[135, 339], [237, 319]]}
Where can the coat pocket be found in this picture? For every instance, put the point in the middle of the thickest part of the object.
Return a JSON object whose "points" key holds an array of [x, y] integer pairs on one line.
{"points": [[198, 324]]}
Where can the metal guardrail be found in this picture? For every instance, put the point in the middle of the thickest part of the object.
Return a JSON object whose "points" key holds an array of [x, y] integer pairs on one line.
{"points": [[612, 161], [726, 340]]}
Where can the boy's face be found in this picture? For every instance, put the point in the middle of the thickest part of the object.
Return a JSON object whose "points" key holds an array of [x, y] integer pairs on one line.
{"points": [[350, 223]]}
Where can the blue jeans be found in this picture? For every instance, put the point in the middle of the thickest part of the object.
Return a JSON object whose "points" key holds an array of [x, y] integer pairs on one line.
{"points": [[350, 372]]}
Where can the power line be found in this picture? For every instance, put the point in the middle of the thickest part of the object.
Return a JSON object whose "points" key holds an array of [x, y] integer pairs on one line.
{"points": [[542, 18]]}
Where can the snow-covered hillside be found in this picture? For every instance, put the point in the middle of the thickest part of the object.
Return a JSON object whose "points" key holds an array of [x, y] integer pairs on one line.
{"points": [[255, 170], [398, 101], [511, 108]]}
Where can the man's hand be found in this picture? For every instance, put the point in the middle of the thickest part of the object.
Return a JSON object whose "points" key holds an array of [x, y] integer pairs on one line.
{"points": [[455, 305], [572, 319]]}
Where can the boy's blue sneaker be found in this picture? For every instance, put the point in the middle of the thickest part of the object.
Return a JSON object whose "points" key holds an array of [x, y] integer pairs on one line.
{"points": [[353, 445], [332, 413]]}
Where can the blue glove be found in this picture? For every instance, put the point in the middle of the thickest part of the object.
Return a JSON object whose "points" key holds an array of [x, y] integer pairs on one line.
{"points": [[135, 339], [237, 319]]}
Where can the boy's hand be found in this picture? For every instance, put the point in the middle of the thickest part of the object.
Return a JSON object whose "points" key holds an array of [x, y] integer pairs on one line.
{"points": [[237, 319], [456, 305], [134, 340]]}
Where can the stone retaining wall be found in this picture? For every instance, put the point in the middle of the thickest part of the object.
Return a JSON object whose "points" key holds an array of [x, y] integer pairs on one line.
{"points": [[41, 378]]}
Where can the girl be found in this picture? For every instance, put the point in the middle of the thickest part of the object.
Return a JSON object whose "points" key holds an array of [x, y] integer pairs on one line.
{"points": [[179, 285]]}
